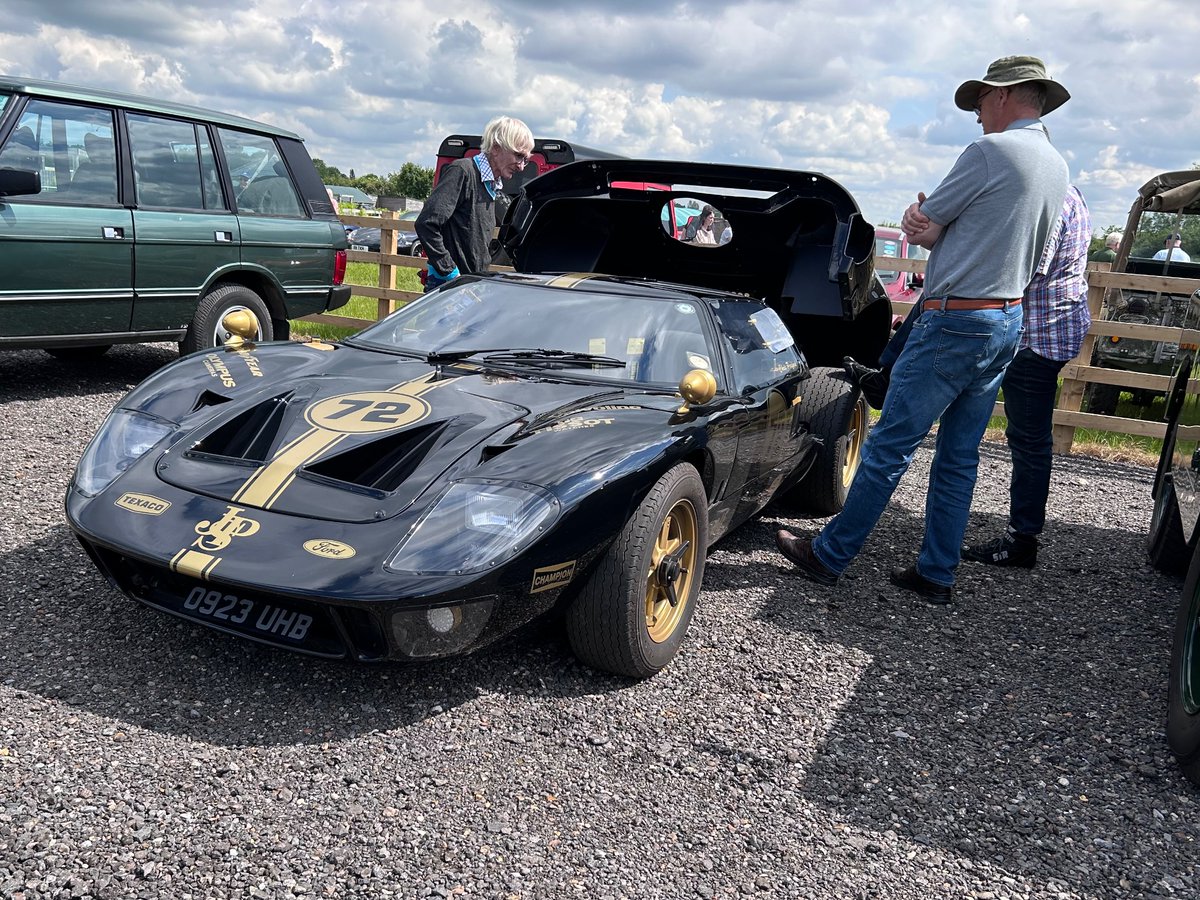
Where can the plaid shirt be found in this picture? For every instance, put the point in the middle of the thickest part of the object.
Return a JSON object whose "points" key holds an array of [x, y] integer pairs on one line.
{"points": [[1056, 310], [490, 180]]}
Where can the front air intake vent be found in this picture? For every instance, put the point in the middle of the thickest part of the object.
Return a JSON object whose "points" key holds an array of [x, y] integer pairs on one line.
{"points": [[383, 464], [209, 399], [248, 436]]}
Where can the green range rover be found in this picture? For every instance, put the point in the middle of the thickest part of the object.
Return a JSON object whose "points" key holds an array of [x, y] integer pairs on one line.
{"points": [[125, 219]]}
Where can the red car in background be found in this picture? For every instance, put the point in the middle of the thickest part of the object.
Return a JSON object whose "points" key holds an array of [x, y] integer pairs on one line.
{"points": [[902, 286]]}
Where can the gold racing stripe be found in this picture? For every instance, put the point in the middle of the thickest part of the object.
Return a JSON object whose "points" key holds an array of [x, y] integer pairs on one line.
{"points": [[570, 281], [265, 486], [197, 565]]}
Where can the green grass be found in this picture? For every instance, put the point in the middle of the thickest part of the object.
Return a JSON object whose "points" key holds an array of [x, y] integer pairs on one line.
{"points": [[359, 307]]}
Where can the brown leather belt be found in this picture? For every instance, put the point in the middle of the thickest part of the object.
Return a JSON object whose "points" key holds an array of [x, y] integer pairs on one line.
{"points": [[966, 303]]}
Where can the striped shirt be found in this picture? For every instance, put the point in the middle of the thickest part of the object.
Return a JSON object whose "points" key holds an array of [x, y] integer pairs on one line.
{"points": [[1056, 310]]}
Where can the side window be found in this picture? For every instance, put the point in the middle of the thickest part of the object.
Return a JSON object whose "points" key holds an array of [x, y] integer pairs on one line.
{"points": [[73, 148], [173, 167], [261, 183], [763, 349]]}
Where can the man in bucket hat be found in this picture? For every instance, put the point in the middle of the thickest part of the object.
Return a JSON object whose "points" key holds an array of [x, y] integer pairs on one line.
{"points": [[985, 225]]}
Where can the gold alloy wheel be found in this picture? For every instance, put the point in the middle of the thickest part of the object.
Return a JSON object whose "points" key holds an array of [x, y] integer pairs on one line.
{"points": [[240, 321], [672, 564], [855, 436]]}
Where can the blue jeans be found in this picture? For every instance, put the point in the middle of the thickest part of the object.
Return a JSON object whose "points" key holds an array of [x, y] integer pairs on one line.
{"points": [[1030, 386], [950, 369]]}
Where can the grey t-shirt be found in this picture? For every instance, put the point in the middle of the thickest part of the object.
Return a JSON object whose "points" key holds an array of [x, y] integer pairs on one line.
{"points": [[997, 206]]}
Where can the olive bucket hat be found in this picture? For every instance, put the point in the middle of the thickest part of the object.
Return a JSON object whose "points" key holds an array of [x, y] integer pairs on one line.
{"points": [[1006, 72]]}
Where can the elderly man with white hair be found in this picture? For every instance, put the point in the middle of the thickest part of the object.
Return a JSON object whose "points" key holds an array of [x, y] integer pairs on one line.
{"points": [[456, 224], [1112, 241]]}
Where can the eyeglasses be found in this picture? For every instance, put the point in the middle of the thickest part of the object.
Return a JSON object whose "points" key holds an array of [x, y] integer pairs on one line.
{"points": [[979, 99]]}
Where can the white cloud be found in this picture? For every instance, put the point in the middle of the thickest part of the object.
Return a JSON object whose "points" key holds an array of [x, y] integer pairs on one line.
{"points": [[859, 90]]}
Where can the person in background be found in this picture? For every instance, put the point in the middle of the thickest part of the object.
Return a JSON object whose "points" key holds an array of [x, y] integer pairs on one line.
{"points": [[986, 225], [1056, 321], [1112, 241], [700, 228], [456, 224], [1171, 250]]}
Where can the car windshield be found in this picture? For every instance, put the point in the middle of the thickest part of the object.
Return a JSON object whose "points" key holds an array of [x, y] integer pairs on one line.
{"points": [[578, 333], [4, 98]]}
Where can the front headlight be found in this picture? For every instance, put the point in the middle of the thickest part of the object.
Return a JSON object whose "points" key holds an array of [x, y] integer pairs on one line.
{"points": [[473, 526], [123, 439]]}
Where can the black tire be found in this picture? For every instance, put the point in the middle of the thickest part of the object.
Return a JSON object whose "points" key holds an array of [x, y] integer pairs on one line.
{"points": [[1144, 397], [622, 620], [1183, 687], [417, 250], [79, 354], [1101, 399], [207, 329], [1166, 544], [838, 415]]}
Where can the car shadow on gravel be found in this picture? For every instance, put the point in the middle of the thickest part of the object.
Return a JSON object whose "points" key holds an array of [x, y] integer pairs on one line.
{"points": [[68, 637], [1022, 724], [29, 375]]}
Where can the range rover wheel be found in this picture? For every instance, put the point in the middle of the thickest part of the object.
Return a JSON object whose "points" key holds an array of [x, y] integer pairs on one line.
{"points": [[79, 354], [631, 616], [1166, 545], [226, 310], [1101, 399], [1183, 688], [838, 415]]}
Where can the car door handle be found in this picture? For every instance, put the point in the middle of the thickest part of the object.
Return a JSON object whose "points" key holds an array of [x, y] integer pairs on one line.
{"points": [[113, 233], [223, 237]]}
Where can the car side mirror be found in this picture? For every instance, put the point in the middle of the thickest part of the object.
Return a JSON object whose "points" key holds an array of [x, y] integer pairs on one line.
{"points": [[697, 387], [19, 181]]}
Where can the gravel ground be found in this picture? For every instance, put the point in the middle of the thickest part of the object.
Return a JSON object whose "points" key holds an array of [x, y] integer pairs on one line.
{"points": [[808, 741]]}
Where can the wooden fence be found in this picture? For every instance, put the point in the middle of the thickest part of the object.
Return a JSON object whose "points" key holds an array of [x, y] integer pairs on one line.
{"points": [[1076, 374]]}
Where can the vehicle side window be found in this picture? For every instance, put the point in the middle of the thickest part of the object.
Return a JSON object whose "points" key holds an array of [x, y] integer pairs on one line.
{"points": [[71, 146], [763, 349], [172, 168], [261, 183]]}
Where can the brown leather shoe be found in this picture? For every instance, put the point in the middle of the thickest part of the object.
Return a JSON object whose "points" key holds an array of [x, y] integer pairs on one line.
{"points": [[799, 550], [912, 580]]}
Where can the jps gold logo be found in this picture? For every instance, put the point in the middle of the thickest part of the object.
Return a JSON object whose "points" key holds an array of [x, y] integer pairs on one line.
{"points": [[216, 535], [145, 504]]}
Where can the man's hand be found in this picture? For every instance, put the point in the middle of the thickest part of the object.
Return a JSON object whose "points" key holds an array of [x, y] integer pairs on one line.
{"points": [[434, 278], [920, 229]]}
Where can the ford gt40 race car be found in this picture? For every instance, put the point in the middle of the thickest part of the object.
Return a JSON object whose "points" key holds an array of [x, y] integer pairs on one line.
{"points": [[510, 444]]}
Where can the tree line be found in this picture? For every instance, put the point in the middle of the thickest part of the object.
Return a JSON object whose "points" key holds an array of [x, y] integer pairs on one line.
{"points": [[412, 181]]}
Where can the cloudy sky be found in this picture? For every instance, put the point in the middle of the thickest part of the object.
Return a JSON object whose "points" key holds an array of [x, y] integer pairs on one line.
{"points": [[861, 91]]}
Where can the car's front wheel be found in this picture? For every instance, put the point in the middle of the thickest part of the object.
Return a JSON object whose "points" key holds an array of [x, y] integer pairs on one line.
{"points": [[226, 310], [1166, 544], [1183, 690], [632, 614], [837, 414]]}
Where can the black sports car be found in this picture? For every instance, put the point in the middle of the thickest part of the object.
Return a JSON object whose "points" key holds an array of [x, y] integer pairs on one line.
{"points": [[511, 443]]}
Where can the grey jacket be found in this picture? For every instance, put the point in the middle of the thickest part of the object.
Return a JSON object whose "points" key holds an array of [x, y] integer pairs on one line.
{"points": [[456, 224]]}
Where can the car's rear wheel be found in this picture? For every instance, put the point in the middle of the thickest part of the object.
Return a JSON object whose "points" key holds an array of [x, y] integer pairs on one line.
{"points": [[1183, 689], [1166, 544], [1101, 399], [417, 250], [79, 354], [631, 616], [838, 415], [226, 310]]}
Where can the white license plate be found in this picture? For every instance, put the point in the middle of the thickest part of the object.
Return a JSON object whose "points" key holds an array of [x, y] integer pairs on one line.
{"points": [[357, 247]]}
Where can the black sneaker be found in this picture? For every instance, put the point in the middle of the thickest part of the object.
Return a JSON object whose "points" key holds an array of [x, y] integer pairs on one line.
{"points": [[872, 382], [1010, 549]]}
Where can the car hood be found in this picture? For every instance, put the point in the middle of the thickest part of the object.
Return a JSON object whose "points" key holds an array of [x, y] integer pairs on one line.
{"points": [[359, 437], [798, 237]]}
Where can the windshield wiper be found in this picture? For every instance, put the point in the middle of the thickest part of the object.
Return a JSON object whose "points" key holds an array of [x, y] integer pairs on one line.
{"points": [[556, 357], [538, 356]]}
